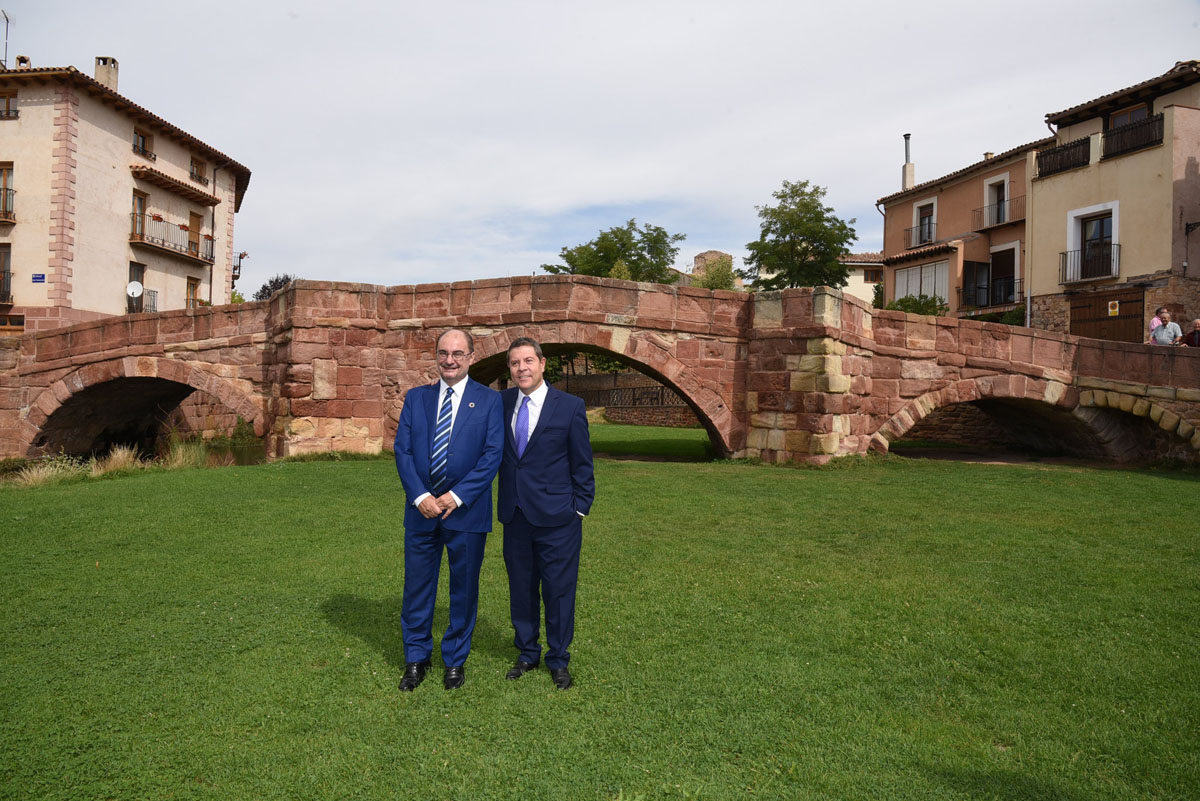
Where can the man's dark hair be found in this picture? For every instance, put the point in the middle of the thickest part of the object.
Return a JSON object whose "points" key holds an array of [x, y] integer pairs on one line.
{"points": [[467, 334], [522, 342], [1160, 310]]}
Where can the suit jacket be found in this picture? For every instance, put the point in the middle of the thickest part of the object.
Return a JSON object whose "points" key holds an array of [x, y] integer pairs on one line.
{"points": [[476, 442], [552, 482]]}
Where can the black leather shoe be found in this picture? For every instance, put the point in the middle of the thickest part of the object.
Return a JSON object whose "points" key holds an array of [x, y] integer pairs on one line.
{"points": [[520, 669], [414, 674], [454, 678], [561, 677]]}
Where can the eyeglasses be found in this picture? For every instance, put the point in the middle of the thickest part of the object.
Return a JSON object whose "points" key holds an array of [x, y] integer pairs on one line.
{"points": [[458, 355]]}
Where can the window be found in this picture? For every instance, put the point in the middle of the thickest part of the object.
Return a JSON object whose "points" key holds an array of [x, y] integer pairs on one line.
{"points": [[996, 205], [1128, 115], [7, 193], [1096, 251], [873, 276], [143, 144], [926, 279], [925, 229], [137, 272], [138, 217], [195, 223], [199, 171], [6, 273], [8, 106], [193, 292], [12, 324]]}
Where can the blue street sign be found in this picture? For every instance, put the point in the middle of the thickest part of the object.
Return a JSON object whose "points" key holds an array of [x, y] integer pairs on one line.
{"points": [[39, 278]]}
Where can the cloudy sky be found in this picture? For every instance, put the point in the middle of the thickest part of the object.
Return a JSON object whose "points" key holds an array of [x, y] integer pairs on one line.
{"points": [[410, 142]]}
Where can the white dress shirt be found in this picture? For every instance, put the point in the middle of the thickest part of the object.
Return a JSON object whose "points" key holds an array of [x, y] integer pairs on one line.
{"points": [[537, 399], [455, 400]]}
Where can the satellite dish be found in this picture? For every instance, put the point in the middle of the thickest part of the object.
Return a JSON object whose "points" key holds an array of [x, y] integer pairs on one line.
{"points": [[133, 289]]}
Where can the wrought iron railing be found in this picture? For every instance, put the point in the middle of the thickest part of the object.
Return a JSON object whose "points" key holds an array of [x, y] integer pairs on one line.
{"points": [[146, 302], [141, 151], [1134, 136], [919, 235], [997, 293], [7, 197], [199, 178], [999, 213], [6, 286], [1090, 263], [1064, 157], [10, 113], [630, 396], [152, 228]]}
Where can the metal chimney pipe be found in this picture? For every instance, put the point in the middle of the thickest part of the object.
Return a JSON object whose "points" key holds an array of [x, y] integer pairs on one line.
{"points": [[907, 157]]}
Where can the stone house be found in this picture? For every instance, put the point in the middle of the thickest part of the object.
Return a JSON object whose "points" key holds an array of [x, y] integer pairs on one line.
{"points": [[97, 192]]}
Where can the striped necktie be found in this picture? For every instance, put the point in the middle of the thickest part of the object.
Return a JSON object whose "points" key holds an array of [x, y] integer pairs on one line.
{"points": [[441, 443]]}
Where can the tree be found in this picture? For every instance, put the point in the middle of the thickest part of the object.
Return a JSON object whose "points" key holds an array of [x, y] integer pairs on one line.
{"points": [[620, 270], [799, 242], [648, 254], [717, 274], [273, 285], [877, 299], [236, 297]]}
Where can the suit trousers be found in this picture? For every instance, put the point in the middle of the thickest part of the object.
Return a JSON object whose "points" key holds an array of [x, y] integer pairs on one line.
{"points": [[422, 563], [543, 569]]}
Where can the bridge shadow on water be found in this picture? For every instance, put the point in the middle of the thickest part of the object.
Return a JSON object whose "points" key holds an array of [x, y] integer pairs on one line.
{"points": [[377, 623]]}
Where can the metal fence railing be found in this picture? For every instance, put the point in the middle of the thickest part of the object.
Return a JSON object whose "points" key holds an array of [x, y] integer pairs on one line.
{"points": [[154, 229], [631, 396], [1090, 263]]}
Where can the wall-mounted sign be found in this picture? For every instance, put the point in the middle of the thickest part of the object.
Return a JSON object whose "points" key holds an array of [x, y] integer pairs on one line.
{"points": [[1114, 308], [39, 278]]}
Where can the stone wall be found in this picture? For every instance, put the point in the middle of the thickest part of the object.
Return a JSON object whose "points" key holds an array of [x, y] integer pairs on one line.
{"points": [[962, 424], [669, 416]]}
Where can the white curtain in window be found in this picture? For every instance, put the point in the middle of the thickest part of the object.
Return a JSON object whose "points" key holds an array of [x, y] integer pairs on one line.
{"points": [[926, 279]]}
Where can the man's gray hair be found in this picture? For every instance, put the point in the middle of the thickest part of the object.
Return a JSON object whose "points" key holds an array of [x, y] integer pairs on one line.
{"points": [[467, 334]]}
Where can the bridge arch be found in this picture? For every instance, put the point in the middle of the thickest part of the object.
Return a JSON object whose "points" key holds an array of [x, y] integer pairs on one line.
{"points": [[103, 400], [647, 352], [1087, 423]]}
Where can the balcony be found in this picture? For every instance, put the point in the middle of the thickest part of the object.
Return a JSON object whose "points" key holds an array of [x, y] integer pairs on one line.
{"points": [[146, 302], [919, 235], [1134, 136], [6, 286], [1064, 157], [999, 213], [154, 231], [145, 152], [1093, 263], [9, 113], [198, 177], [999, 292], [7, 197]]}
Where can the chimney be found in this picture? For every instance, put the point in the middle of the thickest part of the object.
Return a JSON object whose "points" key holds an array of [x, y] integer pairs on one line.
{"points": [[908, 178], [106, 71], [23, 63], [988, 155]]}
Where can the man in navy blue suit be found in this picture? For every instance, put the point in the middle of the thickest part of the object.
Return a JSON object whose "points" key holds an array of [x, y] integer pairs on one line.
{"points": [[448, 446], [546, 489]]}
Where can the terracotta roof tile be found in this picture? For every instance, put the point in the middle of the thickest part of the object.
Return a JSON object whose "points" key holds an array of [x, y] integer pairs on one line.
{"points": [[874, 257], [1183, 73], [916, 253], [976, 166]]}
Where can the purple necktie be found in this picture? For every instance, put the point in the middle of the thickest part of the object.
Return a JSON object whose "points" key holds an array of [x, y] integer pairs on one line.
{"points": [[522, 432]]}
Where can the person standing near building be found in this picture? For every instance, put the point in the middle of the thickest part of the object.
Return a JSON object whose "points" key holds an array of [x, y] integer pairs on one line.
{"points": [[448, 446], [1168, 333], [546, 489], [1192, 338]]}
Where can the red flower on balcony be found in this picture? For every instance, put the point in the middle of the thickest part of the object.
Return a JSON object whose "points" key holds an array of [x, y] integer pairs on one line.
{"points": [[183, 227], [156, 217]]}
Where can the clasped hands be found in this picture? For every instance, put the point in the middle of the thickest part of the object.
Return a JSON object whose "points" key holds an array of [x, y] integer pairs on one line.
{"points": [[442, 506]]}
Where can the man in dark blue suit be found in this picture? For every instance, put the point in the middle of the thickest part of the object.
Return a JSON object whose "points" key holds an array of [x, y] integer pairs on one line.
{"points": [[448, 447], [546, 489]]}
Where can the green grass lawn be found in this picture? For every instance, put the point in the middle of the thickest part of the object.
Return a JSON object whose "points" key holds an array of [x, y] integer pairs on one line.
{"points": [[890, 630], [658, 442]]}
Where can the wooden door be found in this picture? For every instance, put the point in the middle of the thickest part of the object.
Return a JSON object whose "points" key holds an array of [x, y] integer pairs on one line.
{"points": [[1092, 315], [194, 223]]}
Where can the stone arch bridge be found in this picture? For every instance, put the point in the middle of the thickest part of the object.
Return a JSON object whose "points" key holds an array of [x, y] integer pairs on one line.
{"points": [[803, 374]]}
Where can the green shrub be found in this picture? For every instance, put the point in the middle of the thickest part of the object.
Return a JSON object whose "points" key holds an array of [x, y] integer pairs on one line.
{"points": [[930, 305]]}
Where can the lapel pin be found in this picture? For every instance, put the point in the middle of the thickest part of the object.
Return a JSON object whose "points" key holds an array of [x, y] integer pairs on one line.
{"points": [[470, 405]]}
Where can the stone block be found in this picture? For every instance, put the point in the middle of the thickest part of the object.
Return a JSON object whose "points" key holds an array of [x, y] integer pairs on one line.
{"points": [[1156, 413], [325, 379], [1141, 407], [797, 441], [815, 363], [833, 383], [803, 382], [1185, 429], [826, 345], [1126, 403], [752, 401], [1169, 421], [824, 443]]}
